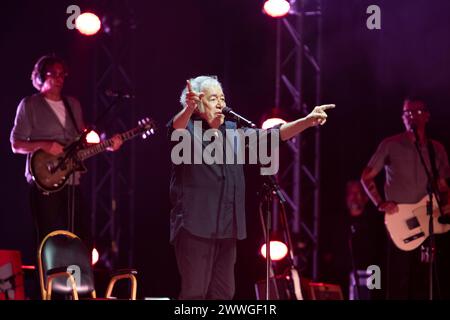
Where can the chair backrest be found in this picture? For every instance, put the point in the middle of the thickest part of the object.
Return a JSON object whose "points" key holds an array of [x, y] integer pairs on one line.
{"points": [[64, 250]]}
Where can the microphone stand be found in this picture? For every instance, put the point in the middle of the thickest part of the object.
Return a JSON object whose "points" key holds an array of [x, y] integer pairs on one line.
{"points": [[238, 118], [352, 257], [431, 246], [70, 153], [269, 189], [265, 200]]}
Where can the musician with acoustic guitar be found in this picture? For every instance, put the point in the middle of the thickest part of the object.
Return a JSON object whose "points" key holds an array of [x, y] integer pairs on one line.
{"points": [[405, 204], [47, 122]]}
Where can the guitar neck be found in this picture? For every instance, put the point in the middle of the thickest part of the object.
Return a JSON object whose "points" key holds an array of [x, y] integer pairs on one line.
{"points": [[102, 146]]}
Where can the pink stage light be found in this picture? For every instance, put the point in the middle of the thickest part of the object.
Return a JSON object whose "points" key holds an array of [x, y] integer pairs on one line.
{"points": [[95, 256], [92, 137], [272, 122], [88, 24], [278, 250], [277, 8]]}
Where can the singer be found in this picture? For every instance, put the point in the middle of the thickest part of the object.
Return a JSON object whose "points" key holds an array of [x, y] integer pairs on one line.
{"points": [[208, 209], [48, 120], [406, 182]]}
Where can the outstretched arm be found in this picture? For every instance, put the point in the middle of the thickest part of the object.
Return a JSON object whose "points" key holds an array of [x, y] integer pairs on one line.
{"points": [[316, 117]]}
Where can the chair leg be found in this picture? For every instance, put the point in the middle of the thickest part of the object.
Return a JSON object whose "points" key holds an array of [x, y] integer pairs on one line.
{"points": [[113, 281], [50, 279]]}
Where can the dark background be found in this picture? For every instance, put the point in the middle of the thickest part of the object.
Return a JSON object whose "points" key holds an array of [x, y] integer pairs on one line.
{"points": [[366, 73]]}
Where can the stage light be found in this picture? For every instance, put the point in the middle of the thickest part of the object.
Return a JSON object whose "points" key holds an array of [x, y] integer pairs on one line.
{"points": [[92, 137], [278, 250], [272, 122], [273, 117], [277, 8], [88, 24], [95, 256]]}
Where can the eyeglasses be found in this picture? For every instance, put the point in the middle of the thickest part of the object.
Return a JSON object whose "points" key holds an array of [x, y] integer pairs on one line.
{"points": [[418, 112], [57, 75]]}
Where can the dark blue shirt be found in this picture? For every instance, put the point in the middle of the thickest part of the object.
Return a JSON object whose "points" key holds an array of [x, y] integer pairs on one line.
{"points": [[208, 200]]}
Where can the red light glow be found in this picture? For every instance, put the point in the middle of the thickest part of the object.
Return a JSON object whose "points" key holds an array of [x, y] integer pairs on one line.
{"points": [[95, 256], [277, 8], [88, 24], [92, 137], [270, 123], [278, 250]]}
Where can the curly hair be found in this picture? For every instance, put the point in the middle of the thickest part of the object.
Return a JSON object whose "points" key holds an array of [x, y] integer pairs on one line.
{"points": [[41, 67]]}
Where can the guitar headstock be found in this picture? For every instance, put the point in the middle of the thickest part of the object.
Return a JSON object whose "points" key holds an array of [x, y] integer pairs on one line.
{"points": [[147, 126]]}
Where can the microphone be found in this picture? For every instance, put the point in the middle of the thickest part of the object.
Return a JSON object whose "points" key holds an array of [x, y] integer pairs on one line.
{"points": [[118, 94], [229, 112]]}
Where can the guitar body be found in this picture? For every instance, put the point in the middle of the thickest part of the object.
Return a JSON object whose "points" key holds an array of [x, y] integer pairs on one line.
{"points": [[408, 228], [51, 173], [46, 173]]}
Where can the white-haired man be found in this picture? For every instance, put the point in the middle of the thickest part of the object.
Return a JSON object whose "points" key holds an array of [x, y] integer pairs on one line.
{"points": [[208, 213]]}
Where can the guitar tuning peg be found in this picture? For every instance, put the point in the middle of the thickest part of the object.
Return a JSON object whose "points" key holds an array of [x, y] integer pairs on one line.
{"points": [[144, 136]]}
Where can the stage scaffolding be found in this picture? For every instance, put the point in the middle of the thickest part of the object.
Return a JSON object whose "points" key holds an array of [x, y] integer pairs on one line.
{"points": [[113, 174], [297, 90]]}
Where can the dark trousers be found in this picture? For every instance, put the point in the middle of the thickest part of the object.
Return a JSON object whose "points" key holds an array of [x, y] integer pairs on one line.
{"points": [[408, 277], [442, 270], [52, 212], [206, 267]]}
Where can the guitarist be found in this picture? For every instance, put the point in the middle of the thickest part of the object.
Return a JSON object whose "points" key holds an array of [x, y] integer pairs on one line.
{"points": [[406, 182], [49, 121]]}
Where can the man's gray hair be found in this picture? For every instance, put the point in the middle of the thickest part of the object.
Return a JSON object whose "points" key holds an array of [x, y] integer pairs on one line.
{"points": [[198, 85]]}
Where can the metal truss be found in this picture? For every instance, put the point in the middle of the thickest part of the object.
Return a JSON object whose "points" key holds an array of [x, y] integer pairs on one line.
{"points": [[298, 90], [113, 173]]}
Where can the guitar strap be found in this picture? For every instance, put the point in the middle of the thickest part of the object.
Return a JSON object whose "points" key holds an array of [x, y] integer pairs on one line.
{"points": [[432, 155], [70, 112]]}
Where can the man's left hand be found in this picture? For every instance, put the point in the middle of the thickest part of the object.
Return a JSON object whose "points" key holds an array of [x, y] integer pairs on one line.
{"points": [[116, 143], [318, 115]]}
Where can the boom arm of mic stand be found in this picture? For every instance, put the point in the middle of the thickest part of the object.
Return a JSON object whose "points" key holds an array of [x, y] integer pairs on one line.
{"points": [[274, 187], [432, 187]]}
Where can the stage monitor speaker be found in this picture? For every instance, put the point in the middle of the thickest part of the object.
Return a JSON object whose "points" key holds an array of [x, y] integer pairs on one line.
{"points": [[324, 291], [11, 276], [279, 288]]}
